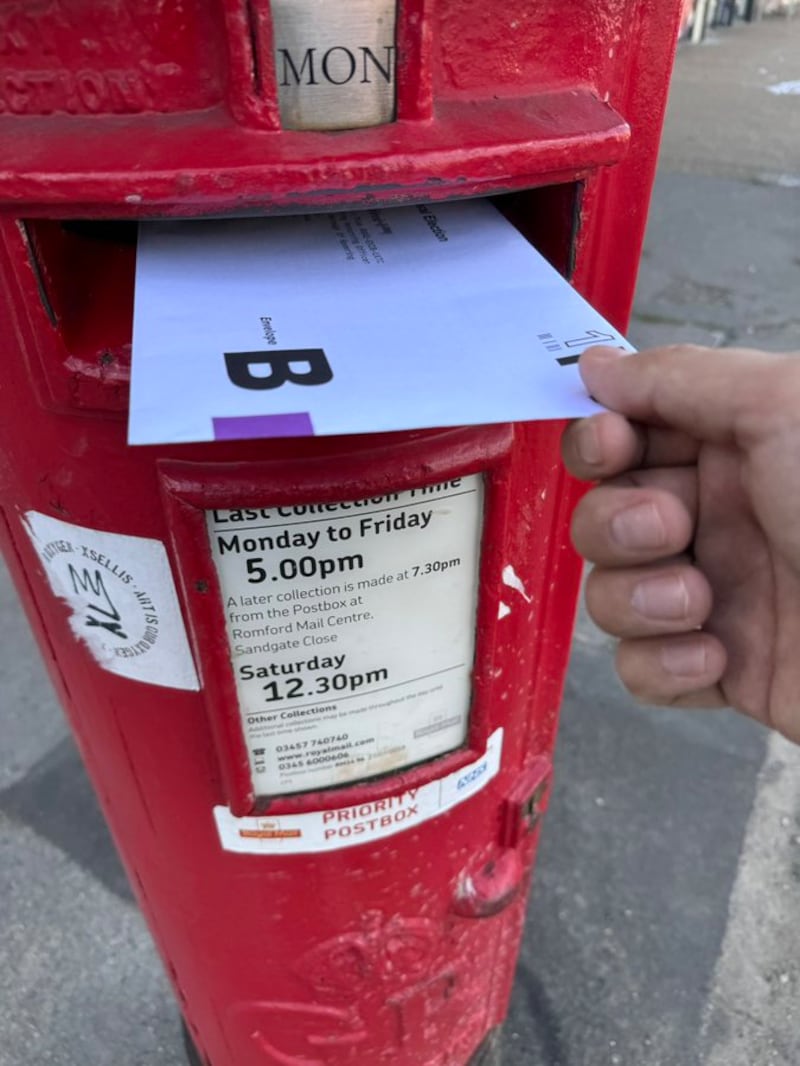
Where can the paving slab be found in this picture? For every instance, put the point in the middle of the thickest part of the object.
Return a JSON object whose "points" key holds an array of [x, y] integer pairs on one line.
{"points": [[726, 117], [721, 264]]}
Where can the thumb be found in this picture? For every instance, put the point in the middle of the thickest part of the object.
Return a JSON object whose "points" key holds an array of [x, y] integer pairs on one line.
{"points": [[712, 394]]}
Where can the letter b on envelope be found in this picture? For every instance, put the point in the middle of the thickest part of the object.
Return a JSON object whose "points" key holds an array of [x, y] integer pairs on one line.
{"points": [[300, 366]]}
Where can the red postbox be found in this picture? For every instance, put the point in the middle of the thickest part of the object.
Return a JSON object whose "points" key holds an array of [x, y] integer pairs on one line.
{"points": [[337, 873]]}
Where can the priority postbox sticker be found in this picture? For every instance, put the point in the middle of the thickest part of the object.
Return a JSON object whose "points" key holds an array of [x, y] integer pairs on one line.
{"points": [[362, 823], [122, 597]]}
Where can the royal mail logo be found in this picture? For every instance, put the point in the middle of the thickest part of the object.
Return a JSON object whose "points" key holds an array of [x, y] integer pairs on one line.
{"points": [[270, 830]]}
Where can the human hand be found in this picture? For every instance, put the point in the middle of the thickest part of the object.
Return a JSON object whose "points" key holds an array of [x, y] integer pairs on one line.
{"points": [[694, 527]]}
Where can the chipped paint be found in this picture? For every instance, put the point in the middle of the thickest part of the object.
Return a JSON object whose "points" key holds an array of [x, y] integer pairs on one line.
{"points": [[510, 578]]}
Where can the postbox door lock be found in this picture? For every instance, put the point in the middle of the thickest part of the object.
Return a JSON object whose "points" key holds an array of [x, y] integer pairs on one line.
{"points": [[527, 803], [487, 888]]}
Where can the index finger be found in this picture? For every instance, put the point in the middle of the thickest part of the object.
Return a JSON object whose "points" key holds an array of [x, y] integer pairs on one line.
{"points": [[714, 394]]}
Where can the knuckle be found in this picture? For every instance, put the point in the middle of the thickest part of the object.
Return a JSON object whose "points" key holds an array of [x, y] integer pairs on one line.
{"points": [[600, 599], [635, 670]]}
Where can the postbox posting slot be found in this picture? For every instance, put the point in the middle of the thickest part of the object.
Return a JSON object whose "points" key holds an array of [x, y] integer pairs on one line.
{"points": [[83, 272]]}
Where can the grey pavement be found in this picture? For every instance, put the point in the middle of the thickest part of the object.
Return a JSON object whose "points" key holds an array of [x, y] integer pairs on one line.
{"points": [[664, 927], [727, 117]]}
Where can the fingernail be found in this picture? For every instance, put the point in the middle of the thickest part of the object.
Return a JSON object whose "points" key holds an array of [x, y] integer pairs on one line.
{"points": [[639, 527], [684, 658], [587, 443], [665, 598]]}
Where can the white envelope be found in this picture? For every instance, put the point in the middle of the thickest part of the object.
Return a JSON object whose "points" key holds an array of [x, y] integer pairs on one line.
{"points": [[354, 322]]}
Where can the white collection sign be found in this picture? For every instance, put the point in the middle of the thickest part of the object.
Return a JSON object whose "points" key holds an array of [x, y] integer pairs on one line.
{"points": [[363, 823], [351, 629], [122, 597]]}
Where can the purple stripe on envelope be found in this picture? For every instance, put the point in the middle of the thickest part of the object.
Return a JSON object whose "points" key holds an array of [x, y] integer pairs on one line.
{"points": [[250, 426]]}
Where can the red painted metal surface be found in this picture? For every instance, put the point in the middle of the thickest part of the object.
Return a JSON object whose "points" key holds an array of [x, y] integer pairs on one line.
{"points": [[400, 951]]}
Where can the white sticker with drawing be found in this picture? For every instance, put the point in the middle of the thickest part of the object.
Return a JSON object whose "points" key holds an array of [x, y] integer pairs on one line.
{"points": [[122, 597]]}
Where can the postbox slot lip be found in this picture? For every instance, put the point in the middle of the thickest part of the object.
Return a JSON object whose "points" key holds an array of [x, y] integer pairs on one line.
{"points": [[472, 145]]}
